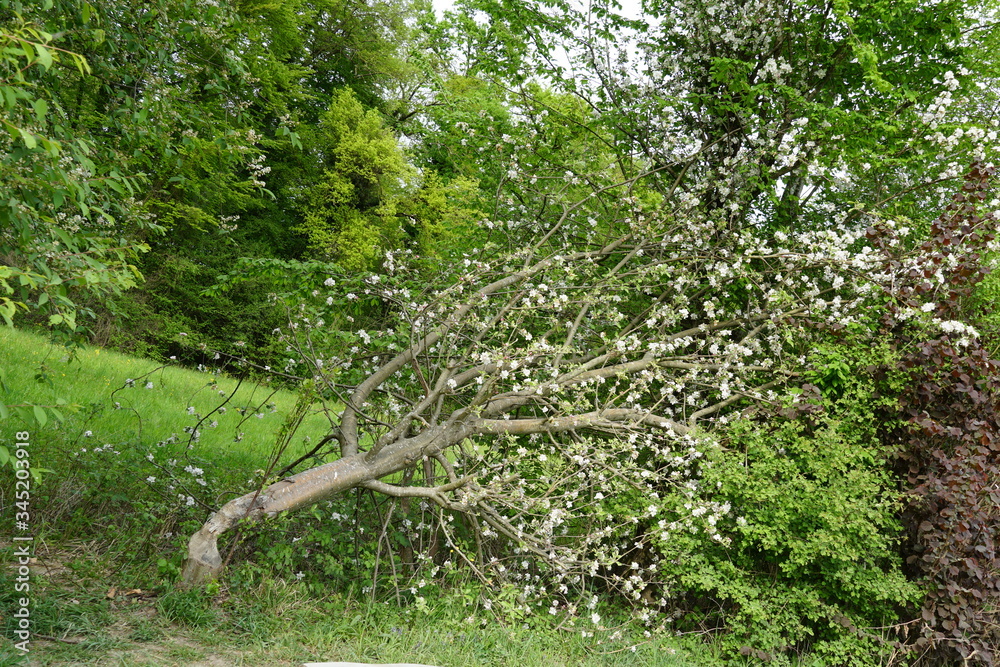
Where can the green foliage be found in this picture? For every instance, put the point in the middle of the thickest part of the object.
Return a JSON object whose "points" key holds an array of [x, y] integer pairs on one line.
{"points": [[293, 284], [506, 39], [159, 139], [172, 313], [980, 306], [466, 127], [442, 217], [802, 557], [66, 219], [369, 198]]}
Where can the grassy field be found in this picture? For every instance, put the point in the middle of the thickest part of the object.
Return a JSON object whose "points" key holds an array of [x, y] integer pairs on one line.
{"points": [[279, 624], [120, 399], [117, 498]]}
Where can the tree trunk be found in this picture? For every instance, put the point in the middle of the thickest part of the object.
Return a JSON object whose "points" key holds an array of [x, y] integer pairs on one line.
{"points": [[311, 486]]}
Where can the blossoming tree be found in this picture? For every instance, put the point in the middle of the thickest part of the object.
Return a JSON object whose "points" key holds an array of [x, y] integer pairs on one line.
{"points": [[583, 359]]}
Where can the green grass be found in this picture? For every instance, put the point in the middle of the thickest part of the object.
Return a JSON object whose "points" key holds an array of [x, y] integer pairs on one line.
{"points": [[116, 465], [93, 392], [280, 624]]}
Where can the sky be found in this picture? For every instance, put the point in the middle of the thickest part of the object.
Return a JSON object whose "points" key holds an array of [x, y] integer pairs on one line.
{"points": [[630, 8]]}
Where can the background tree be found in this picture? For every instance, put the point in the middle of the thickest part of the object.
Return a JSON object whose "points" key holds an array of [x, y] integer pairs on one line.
{"points": [[70, 222]]}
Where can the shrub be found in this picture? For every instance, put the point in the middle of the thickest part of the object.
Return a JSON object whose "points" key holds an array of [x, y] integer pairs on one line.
{"points": [[947, 450], [800, 553]]}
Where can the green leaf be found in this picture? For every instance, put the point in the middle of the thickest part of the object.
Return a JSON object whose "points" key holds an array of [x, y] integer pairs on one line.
{"points": [[44, 56], [64, 236], [4, 453], [40, 415], [51, 147], [29, 138], [7, 311], [41, 110], [81, 63], [4, 412]]}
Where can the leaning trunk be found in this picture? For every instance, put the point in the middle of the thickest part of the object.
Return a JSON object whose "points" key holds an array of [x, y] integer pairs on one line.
{"points": [[311, 486]]}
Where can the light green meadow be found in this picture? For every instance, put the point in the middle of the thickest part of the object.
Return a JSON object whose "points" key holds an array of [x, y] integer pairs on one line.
{"points": [[109, 398]]}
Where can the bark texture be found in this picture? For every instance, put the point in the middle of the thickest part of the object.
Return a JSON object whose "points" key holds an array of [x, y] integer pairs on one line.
{"points": [[204, 562]]}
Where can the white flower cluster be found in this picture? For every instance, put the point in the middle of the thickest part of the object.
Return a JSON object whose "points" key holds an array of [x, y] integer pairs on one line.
{"points": [[966, 334]]}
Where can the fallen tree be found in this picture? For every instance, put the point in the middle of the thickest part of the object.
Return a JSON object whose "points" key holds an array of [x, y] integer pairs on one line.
{"points": [[568, 383], [624, 351]]}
